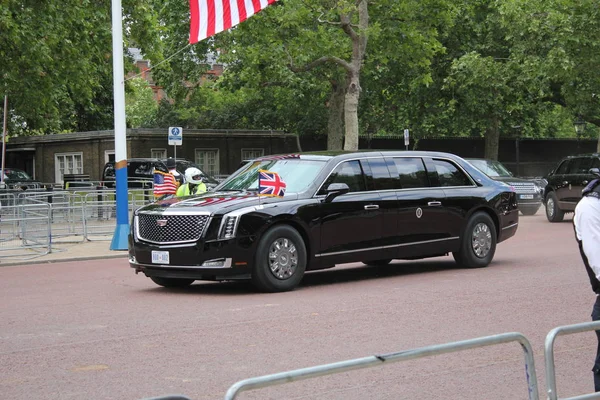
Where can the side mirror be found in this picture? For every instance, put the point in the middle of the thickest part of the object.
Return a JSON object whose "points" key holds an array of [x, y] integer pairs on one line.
{"points": [[334, 190], [595, 171]]}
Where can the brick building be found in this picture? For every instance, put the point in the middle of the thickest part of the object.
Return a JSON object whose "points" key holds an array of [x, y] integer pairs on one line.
{"points": [[218, 152]]}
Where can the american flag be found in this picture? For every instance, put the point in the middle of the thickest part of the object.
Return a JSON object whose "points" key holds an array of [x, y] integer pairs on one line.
{"points": [[164, 183], [209, 17], [270, 184]]}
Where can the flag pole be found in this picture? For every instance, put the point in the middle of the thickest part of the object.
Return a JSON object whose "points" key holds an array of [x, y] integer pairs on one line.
{"points": [[4, 137], [120, 238], [258, 184]]}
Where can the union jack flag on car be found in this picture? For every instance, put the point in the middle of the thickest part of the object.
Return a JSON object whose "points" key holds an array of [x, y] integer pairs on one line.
{"points": [[270, 184]]}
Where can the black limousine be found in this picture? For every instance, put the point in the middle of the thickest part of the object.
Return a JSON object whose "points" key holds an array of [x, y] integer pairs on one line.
{"points": [[371, 206]]}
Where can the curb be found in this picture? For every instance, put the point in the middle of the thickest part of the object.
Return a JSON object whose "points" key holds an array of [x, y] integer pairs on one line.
{"points": [[59, 260]]}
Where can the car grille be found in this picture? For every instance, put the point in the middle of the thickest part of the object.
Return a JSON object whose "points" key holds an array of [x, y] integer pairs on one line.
{"points": [[523, 187], [170, 228]]}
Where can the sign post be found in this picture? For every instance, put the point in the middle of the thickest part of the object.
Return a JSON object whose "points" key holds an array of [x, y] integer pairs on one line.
{"points": [[175, 138], [406, 138]]}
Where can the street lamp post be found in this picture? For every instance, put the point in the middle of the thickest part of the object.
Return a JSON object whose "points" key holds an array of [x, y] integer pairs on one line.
{"points": [[579, 124], [517, 129]]}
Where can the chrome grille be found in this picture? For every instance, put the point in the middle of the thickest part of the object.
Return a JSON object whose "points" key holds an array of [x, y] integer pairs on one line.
{"points": [[170, 228], [523, 187]]}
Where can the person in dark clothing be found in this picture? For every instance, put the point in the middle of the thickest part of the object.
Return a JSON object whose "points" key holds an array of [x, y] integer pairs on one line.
{"points": [[171, 165], [587, 231]]}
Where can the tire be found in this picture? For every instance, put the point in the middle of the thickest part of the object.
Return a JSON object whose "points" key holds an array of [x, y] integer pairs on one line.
{"points": [[478, 244], [172, 282], [377, 263], [529, 210], [280, 260], [553, 213]]}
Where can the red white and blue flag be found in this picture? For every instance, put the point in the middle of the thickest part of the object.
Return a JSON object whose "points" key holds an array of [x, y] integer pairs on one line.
{"points": [[270, 184], [209, 17], [164, 183]]}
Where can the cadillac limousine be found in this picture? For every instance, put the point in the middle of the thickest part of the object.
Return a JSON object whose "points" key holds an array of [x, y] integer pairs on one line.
{"points": [[370, 207]]}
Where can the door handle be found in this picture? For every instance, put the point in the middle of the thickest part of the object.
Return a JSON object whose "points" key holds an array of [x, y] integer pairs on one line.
{"points": [[371, 207], [434, 203]]}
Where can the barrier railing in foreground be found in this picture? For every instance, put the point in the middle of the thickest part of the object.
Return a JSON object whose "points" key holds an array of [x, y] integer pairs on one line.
{"points": [[549, 357], [377, 360]]}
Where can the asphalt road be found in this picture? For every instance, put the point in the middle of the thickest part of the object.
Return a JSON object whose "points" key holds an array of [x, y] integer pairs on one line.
{"points": [[95, 330]]}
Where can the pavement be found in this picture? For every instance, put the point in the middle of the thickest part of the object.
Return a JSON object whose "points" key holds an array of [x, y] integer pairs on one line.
{"points": [[76, 250]]}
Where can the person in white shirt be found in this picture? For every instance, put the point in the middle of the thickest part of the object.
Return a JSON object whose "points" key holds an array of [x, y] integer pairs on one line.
{"points": [[587, 232]]}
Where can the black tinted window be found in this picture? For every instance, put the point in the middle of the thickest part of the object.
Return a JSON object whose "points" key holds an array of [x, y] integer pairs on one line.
{"points": [[381, 174], [109, 171], [450, 175], [562, 168], [348, 172], [580, 165], [160, 167], [411, 172]]}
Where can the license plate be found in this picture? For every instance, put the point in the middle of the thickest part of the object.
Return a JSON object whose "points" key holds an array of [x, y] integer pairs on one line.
{"points": [[527, 196], [160, 257]]}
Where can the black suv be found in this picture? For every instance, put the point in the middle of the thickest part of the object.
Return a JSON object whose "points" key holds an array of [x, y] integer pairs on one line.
{"points": [[338, 207], [565, 183], [18, 179], [529, 191], [140, 172]]}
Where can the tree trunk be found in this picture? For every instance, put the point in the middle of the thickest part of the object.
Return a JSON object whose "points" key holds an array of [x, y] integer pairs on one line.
{"points": [[598, 146], [359, 46], [492, 140], [335, 124], [351, 113]]}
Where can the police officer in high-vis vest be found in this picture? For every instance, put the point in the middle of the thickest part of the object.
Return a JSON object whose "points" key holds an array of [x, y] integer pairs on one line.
{"points": [[587, 232], [193, 183]]}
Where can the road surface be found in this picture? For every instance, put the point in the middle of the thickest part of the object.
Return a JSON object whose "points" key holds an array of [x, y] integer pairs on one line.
{"points": [[95, 330]]}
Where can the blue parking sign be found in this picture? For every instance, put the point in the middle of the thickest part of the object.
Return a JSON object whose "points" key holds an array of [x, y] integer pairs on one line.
{"points": [[175, 135]]}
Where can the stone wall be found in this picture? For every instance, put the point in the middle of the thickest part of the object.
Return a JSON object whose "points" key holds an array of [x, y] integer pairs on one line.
{"points": [[536, 157]]}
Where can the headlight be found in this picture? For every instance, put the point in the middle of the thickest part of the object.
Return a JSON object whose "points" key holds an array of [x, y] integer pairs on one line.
{"points": [[230, 222], [228, 226]]}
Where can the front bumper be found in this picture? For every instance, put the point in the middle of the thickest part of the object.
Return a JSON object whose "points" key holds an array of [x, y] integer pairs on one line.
{"points": [[214, 260], [529, 199]]}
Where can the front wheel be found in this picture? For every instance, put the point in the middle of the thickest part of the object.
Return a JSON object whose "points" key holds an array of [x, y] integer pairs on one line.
{"points": [[479, 242], [280, 260], [553, 213], [172, 282]]}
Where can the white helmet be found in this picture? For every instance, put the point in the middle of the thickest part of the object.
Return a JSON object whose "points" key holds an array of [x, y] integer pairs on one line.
{"points": [[193, 175]]}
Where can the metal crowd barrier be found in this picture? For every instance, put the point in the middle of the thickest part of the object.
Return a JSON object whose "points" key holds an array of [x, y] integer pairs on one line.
{"points": [[31, 221], [549, 357], [24, 227], [377, 360]]}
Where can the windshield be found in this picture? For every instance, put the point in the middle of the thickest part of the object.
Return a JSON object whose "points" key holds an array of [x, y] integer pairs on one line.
{"points": [[16, 174], [491, 168], [296, 173]]}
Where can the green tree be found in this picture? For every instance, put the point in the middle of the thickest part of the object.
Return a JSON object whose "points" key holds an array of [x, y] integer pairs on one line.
{"points": [[140, 105], [56, 64], [559, 42]]}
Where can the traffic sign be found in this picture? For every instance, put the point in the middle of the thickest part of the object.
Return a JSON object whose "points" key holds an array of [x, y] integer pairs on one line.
{"points": [[175, 136]]}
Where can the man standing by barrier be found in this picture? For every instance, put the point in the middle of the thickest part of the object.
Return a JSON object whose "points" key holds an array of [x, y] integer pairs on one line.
{"points": [[587, 232]]}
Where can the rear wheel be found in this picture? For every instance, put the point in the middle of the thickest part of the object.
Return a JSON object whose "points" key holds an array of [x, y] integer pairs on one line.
{"points": [[553, 213], [280, 260], [479, 242], [172, 282], [378, 262]]}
